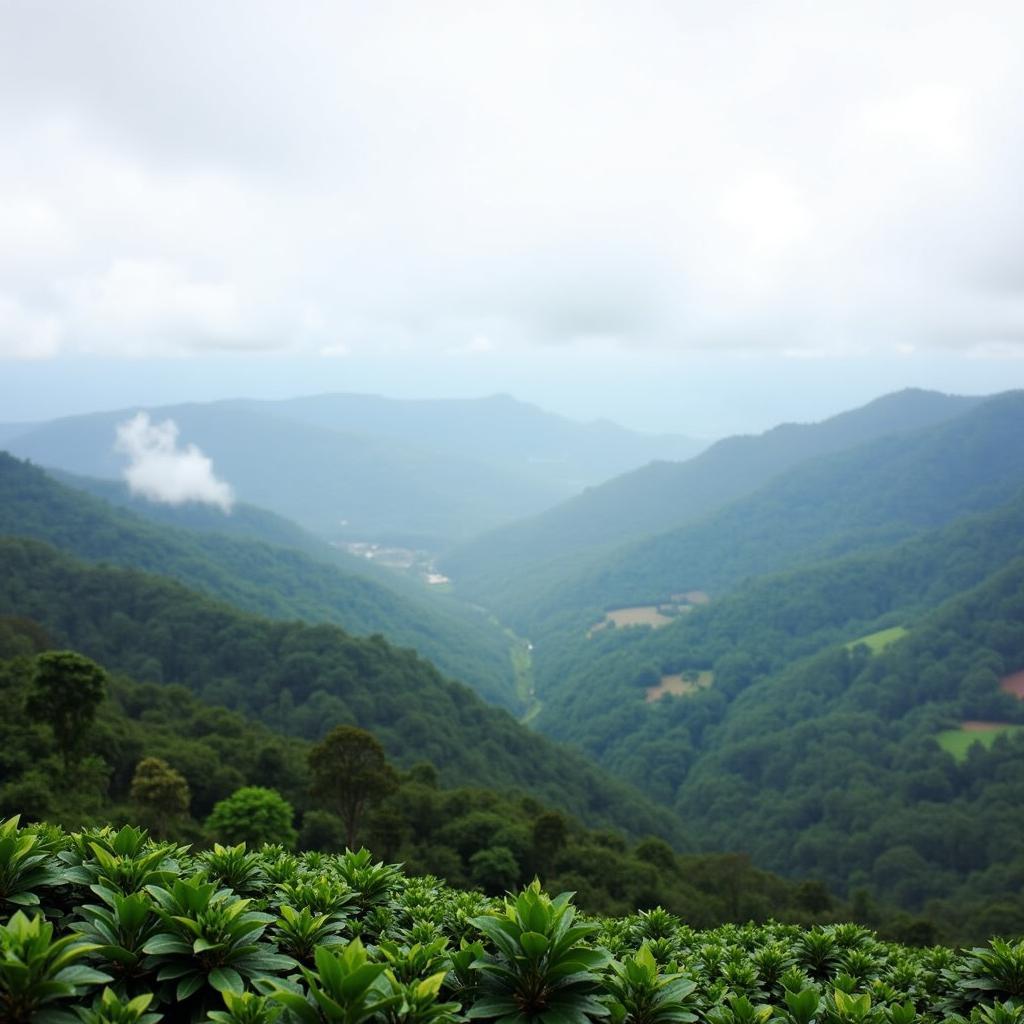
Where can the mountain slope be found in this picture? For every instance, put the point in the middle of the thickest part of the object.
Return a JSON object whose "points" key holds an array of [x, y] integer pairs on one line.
{"points": [[865, 497], [817, 753], [833, 765], [593, 685], [304, 679], [258, 577], [665, 495]]}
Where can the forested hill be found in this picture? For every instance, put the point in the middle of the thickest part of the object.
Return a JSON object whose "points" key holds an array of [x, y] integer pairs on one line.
{"points": [[829, 725], [664, 495], [265, 579], [303, 679], [866, 497], [594, 685], [471, 835], [250, 522], [844, 764]]}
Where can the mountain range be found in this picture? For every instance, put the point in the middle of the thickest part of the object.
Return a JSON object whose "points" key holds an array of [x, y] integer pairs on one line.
{"points": [[828, 626], [359, 468]]}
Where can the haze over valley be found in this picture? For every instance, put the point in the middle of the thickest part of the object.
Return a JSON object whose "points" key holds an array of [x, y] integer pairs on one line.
{"points": [[457, 455]]}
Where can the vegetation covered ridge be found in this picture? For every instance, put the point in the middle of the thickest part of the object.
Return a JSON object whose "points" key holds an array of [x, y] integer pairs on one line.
{"points": [[272, 579], [122, 929], [858, 500], [82, 747], [302, 680]]}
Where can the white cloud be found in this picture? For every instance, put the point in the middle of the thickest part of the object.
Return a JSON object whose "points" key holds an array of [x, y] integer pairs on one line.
{"points": [[27, 334], [336, 350], [478, 345], [139, 299], [714, 175], [161, 471]]}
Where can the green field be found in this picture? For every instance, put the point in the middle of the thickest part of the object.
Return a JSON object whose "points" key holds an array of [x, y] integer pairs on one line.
{"points": [[520, 651], [878, 642], [958, 741]]}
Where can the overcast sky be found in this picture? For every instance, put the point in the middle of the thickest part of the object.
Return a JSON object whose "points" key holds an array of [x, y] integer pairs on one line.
{"points": [[701, 216]]}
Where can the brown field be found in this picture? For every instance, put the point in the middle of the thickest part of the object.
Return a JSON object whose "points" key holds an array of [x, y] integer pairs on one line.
{"points": [[646, 615], [678, 686], [975, 726], [1013, 684]]}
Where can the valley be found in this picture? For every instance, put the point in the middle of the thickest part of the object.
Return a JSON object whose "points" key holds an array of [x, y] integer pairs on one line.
{"points": [[815, 673], [511, 513]]}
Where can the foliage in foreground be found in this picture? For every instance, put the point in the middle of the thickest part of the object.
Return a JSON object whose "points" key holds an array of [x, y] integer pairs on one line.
{"points": [[111, 927], [157, 755]]}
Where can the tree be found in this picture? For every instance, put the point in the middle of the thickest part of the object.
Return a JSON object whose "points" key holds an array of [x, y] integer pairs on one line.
{"points": [[494, 869], [321, 830], [550, 834], [253, 815], [67, 688], [161, 793], [350, 771]]}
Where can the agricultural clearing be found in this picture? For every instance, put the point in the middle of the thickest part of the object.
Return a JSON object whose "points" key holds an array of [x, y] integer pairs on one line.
{"points": [[641, 615], [683, 684], [1013, 684], [653, 615], [877, 642], [958, 741]]}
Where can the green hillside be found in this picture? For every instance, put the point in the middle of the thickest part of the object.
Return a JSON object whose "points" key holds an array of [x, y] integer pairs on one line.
{"points": [[258, 577], [866, 497], [819, 756], [833, 765], [303, 679], [471, 835], [664, 495], [591, 685]]}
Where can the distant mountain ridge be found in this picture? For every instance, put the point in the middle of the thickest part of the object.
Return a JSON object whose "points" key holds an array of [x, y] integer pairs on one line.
{"points": [[865, 497], [495, 427], [663, 496], [319, 462]]}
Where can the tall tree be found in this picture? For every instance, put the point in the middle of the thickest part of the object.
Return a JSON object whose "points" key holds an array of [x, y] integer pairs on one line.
{"points": [[161, 792], [350, 772], [67, 688]]}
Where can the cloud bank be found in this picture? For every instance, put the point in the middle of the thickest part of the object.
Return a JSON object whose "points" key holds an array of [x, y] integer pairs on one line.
{"points": [[714, 176], [161, 471]]}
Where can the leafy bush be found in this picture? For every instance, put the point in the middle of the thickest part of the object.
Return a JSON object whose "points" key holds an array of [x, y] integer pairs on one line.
{"points": [[253, 815], [319, 937]]}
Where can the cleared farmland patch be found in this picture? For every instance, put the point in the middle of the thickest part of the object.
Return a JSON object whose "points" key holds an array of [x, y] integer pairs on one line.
{"points": [[647, 615], [1014, 684], [877, 642], [958, 741], [641, 615], [683, 684], [653, 615]]}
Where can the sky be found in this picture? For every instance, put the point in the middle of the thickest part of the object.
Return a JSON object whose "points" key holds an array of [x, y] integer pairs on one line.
{"points": [[703, 217]]}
